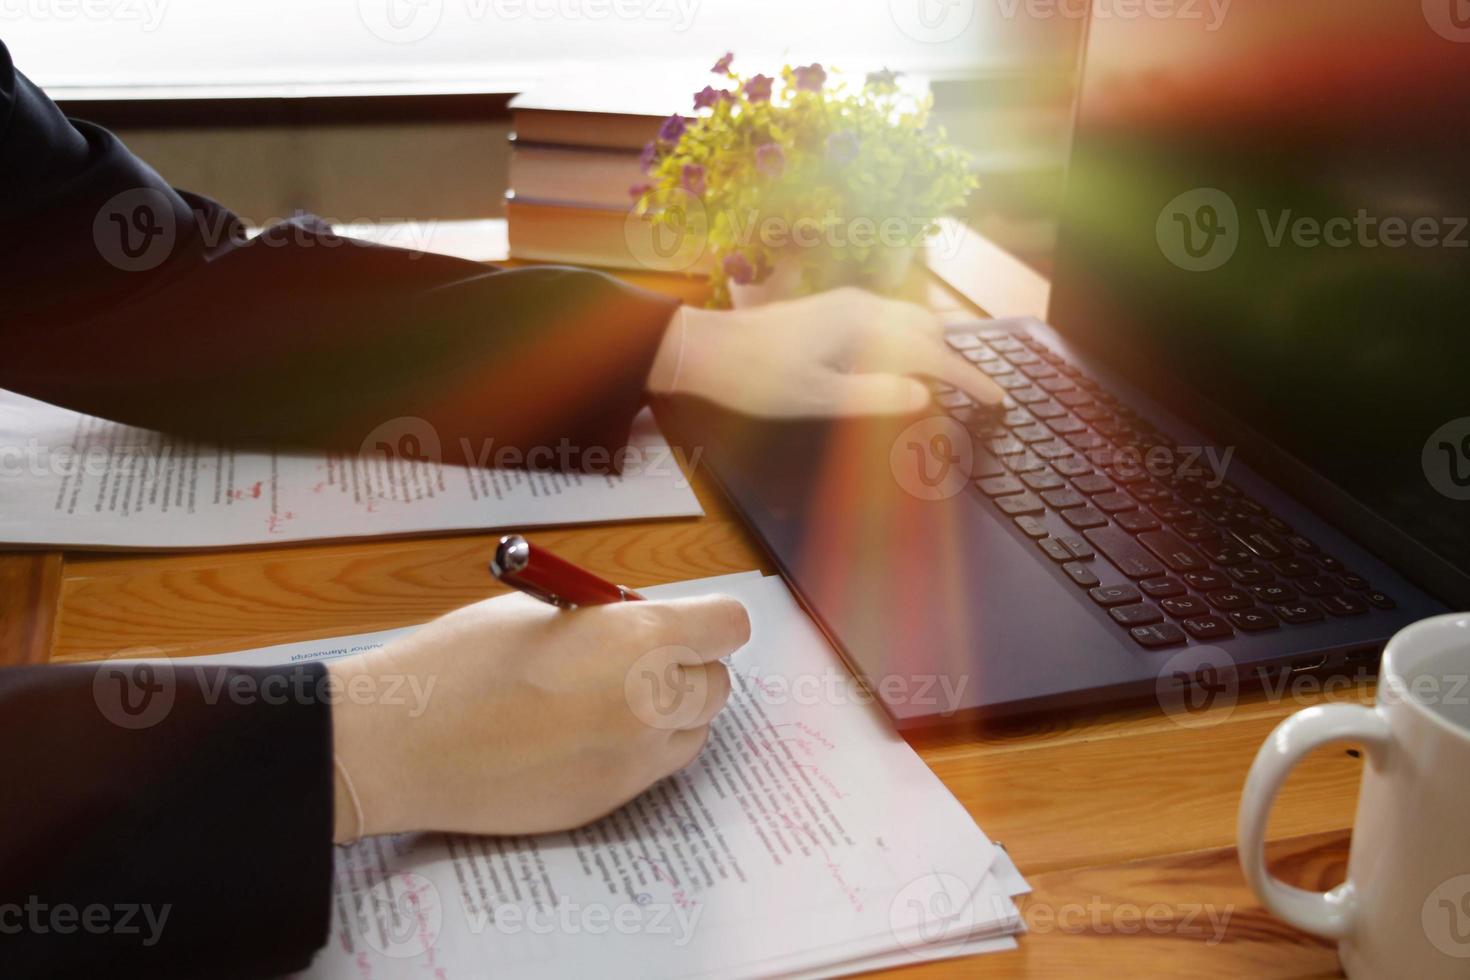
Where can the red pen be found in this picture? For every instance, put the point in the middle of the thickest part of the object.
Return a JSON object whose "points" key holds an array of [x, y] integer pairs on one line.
{"points": [[542, 575]]}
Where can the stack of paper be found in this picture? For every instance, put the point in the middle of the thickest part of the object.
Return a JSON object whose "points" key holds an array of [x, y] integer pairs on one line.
{"points": [[75, 481], [807, 840]]}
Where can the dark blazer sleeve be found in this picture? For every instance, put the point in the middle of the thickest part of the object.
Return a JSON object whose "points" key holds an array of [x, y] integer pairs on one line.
{"points": [[124, 298], [173, 822]]}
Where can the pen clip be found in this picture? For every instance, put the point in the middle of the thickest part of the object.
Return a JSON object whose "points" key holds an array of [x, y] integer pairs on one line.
{"points": [[536, 593]]}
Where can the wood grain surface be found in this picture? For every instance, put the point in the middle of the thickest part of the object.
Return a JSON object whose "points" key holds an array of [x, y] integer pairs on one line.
{"points": [[1123, 819], [30, 592]]}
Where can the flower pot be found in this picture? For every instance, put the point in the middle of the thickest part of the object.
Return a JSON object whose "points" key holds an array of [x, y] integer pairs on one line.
{"points": [[886, 274], [890, 269], [784, 282]]}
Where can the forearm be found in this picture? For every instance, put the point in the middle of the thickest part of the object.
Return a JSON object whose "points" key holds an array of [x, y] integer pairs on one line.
{"points": [[124, 298], [319, 346]]}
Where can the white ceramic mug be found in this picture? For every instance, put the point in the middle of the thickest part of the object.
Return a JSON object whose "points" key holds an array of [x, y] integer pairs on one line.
{"points": [[1404, 910]]}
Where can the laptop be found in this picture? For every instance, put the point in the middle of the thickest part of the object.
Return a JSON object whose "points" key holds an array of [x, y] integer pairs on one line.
{"points": [[1240, 444]]}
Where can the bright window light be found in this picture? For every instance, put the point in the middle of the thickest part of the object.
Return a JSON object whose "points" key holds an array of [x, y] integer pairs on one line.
{"points": [[472, 45]]}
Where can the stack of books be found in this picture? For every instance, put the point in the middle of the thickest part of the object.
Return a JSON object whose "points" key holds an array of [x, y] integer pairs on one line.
{"points": [[575, 154]]}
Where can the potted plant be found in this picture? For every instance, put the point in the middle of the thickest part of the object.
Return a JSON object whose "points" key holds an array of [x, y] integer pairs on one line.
{"points": [[802, 183]]}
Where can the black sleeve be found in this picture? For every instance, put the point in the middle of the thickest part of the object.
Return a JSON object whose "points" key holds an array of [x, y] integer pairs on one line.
{"points": [[164, 821], [124, 298]]}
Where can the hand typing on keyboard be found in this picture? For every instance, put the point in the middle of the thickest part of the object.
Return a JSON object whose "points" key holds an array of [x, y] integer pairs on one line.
{"points": [[843, 352]]}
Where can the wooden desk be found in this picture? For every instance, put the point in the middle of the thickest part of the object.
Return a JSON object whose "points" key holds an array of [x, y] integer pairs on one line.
{"points": [[1123, 820]]}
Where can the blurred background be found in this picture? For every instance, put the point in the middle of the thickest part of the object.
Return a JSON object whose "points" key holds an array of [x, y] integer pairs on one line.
{"points": [[398, 109]]}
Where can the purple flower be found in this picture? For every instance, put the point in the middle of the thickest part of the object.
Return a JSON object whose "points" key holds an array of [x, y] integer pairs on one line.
{"points": [[723, 65], [882, 79], [693, 179], [758, 88], [842, 147], [811, 78], [672, 129], [737, 269], [710, 96], [638, 190], [649, 157], [770, 159]]}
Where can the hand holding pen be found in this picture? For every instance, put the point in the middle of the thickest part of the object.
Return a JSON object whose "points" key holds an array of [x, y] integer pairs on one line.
{"points": [[529, 719]]}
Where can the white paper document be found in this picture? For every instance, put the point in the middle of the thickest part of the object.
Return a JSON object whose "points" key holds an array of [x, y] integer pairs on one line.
{"points": [[808, 839], [71, 480]]}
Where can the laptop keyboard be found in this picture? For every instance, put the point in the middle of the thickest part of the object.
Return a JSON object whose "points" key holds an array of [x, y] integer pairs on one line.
{"points": [[1070, 465]]}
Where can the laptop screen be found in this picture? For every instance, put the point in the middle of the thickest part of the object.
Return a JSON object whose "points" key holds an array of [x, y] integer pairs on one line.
{"points": [[1266, 228]]}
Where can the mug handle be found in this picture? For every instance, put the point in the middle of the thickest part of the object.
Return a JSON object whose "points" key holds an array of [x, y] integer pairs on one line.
{"points": [[1326, 914]]}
